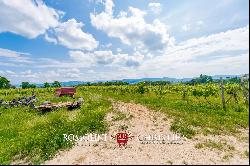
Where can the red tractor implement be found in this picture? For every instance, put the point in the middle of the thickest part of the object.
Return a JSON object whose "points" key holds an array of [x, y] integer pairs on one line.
{"points": [[65, 91]]}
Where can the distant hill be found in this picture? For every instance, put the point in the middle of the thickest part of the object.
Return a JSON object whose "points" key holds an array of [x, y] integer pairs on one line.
{"points": [[174, 80], [134, 81], [64, 84], [216, 77], [72, 83]]}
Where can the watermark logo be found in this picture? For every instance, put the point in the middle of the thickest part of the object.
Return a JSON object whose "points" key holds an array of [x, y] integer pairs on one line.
{"points": [[161, 139], [122, 138], [86, 137]]}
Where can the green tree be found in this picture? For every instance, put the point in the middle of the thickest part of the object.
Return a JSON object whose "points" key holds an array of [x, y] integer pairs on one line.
{"points": [[140, 88], [203, 79], [88, 83], [32, 85], [25, 85], [13, 87], [233, 80], [56, 84], [4, 82], [46, 85]]}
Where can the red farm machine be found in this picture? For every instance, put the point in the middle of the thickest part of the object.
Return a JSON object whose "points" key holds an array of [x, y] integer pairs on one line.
{"points": [[70, 91]]}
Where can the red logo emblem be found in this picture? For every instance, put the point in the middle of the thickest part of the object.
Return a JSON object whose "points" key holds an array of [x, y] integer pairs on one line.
{"points": [[122, 138]]}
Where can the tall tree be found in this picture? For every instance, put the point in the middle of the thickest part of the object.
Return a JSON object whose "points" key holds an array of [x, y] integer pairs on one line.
{"points": [[46, 85], [25, 85], [203, 79], [56, 84], [4, 82]]}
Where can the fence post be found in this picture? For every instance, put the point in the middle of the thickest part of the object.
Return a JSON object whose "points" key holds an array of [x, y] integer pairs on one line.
{"points": [[246, 98], [222, 94]]}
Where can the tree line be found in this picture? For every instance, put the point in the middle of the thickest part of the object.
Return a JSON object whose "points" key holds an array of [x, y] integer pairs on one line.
{"points": [[26, 85], [5, 84], [202, 79]]}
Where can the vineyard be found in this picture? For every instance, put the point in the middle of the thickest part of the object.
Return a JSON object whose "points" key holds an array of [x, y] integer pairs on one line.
{"points": [[195, 109], [211, 93], [190, 106]]}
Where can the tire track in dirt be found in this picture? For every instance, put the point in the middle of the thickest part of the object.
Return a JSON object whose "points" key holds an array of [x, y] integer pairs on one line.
{"points": [[139, 120]]}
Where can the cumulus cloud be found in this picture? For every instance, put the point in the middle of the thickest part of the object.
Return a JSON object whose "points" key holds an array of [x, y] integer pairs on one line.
{"points": [[155, 7], [109, 7], [192, 26], [221, 53], [200, 22], [85, 60], [225, 52], [70, 34], [68, 74], [10, 53], [14, 56], [29, 18], [231, 40], [186, 27], [104, 58], [50, 39], [131, 28]]}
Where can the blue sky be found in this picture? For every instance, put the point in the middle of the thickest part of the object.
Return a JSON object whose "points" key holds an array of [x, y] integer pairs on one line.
{"points": [[91, 40]]}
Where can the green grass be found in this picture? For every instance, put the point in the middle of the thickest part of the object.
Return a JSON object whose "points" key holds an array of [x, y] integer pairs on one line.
{"points": [[169, 162], [220, 145], [227, 156], [119, 116], [25, 133], [123, 127], [246, 154], [193, 116]]}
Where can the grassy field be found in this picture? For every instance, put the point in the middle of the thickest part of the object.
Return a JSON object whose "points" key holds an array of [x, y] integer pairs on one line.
{"points": [[27, 134], [193, 116]]}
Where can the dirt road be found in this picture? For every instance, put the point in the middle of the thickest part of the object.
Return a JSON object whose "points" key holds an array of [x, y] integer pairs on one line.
{"points": [[138, 120]]}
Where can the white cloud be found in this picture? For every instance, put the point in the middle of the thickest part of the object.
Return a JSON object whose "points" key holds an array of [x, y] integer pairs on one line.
{"points": [[50, 39], [70, 34], [106, 46], [186, 27], [155, 7], [131, 28], [44, 76], [10, 53], [192, 26], [46, 63], [13, 56], [221, 53], [109, 7], [85, 60], [199, 25], [230, 40], [200, 22], [105, 58], [29, 18], [119, 50], [10, 72]]}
